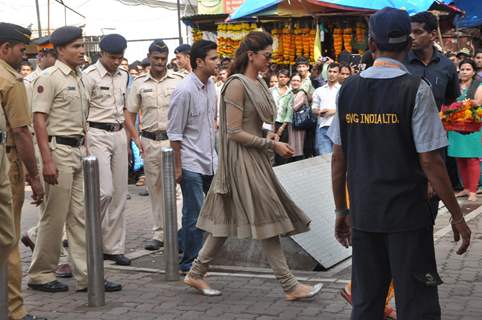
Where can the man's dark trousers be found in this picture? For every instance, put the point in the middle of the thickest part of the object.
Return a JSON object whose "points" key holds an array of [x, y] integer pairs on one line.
{"points": [[409, 258]]}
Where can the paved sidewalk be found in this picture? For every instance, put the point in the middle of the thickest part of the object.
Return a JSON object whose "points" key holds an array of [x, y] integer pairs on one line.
{"points": [[146, 296]]}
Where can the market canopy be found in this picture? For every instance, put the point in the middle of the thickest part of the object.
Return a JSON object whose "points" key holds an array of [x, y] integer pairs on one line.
{"points": [[472, 13], [309, 7]]}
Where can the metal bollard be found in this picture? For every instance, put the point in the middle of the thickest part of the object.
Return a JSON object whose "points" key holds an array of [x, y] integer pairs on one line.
{"points": [[3, 290], [93, 233], [170, 219]]}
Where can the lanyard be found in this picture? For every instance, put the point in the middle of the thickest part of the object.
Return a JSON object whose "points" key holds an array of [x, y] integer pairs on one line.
{"points": [[386, 64]]}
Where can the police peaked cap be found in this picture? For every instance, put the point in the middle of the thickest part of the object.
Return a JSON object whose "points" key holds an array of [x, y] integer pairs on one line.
{"points": [[113, 43], [158, 46], [65, 35], [13, 32]]}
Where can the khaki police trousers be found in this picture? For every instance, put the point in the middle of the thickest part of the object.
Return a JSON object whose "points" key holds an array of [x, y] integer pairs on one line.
{"points": [[7, 228], [64, 205], [110, 148], [16, 175], [153, 171]]}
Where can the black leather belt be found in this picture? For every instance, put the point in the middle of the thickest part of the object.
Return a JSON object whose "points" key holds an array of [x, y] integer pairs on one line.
{"points": [[68, 141], [157, 135], [107, 126], [3, 137]]}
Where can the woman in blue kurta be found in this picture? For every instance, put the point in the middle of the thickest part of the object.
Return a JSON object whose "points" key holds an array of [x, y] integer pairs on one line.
{"points": [[467, 148]]}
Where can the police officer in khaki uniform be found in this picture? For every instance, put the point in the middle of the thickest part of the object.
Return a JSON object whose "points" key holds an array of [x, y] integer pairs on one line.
{"points": [[59, 105], [150, 94], [106, 83], [15, 117], [45, 59]]}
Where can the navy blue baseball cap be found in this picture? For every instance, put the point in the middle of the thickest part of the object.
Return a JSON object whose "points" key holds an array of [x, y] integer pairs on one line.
{"points": [[113, 43], [390, 26]]}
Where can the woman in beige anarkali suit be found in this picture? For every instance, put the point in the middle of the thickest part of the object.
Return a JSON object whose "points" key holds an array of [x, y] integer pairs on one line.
{"points": [[246, 199]]}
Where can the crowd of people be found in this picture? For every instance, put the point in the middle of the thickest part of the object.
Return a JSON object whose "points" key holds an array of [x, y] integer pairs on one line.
{"points": [[224, 119]]}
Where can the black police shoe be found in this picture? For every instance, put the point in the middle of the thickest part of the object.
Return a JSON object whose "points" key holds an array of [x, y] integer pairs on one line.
{"points": [[108, 287], [53, 286], [119, 259], [153, 244], [30, 317]]}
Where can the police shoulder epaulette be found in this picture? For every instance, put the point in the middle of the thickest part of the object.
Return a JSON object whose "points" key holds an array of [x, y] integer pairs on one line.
{"points": [[140, 76], [49, 70], [177, 74], [90, 68]]}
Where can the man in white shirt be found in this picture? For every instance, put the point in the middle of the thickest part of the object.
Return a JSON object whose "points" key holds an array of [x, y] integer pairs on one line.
{"points": [[324, 106]]}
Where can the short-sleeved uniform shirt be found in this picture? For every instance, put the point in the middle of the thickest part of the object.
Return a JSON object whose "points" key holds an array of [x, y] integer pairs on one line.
{"points": [[28, 82], [60, 93], [107, 93], [13, 101], [427, 129], [152, 98]]}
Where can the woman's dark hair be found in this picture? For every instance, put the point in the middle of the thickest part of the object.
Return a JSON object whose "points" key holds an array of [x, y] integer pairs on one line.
{"points": [[200, 49], [284, 72], [294, 75], [255, 41], [471, 62], [426, 18]]}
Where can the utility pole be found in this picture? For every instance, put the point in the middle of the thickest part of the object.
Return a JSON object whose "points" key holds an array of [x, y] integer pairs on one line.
{"points": [[179, 20], [48, 17], [38, 19]]}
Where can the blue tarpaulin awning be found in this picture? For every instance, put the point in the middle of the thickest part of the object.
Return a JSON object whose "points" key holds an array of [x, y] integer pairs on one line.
{"points": [[473, 13], [259, 7]]}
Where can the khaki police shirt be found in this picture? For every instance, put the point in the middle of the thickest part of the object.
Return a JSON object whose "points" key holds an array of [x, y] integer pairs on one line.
{"points": [[152, 97], [14, 111], [28, 82], [107, 93], [183, 72], [60, 93]]}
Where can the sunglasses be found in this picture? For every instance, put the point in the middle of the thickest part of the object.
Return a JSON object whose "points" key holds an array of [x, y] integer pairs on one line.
{"points": [[267, 55]]}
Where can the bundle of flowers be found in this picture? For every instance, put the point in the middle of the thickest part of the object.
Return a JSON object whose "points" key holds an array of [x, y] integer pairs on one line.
{"points": [[463, 116]]}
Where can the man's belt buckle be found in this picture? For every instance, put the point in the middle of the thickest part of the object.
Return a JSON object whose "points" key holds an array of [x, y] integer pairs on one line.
{"points": [[115, 126]]}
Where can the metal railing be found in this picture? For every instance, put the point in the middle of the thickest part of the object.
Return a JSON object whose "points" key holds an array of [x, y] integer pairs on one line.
{"points": [[93, 233], [170, 211]]}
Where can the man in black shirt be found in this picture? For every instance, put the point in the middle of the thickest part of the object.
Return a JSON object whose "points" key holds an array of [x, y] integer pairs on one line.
{"points": [[427, 62], [387, 150]]}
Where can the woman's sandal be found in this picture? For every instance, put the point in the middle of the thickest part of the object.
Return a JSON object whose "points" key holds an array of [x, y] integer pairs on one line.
{"points": [[209, 292], [313, 292]]}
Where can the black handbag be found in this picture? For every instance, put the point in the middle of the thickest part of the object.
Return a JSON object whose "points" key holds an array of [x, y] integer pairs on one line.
{"points": [[303, 119]]}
